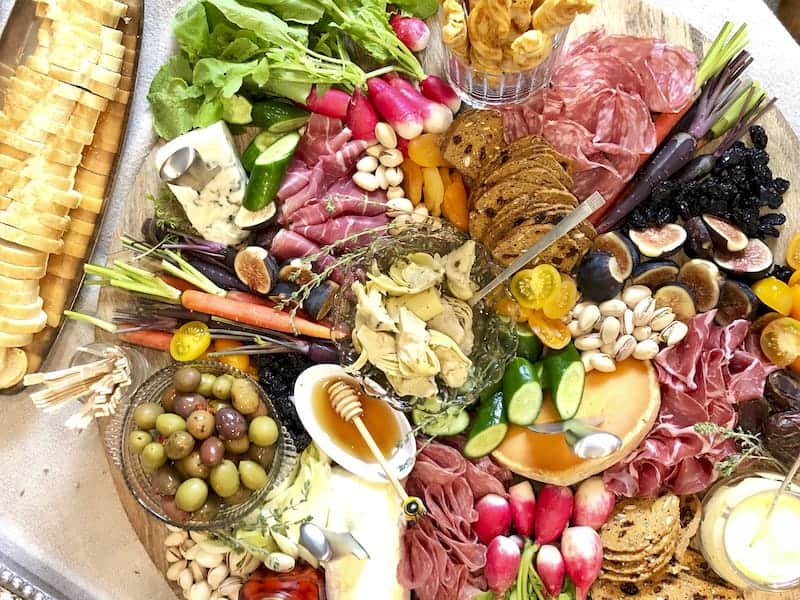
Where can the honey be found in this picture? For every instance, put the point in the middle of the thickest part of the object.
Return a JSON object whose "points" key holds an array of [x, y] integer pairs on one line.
{"points": [[378, 417]]}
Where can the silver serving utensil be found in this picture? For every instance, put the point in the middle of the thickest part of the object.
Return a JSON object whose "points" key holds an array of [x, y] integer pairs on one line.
{"points": [[326, 545], [583, 438], [185, 167], [567, 224], [562, 426]]}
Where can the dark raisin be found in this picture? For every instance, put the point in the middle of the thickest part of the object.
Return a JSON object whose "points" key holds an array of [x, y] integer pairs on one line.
{"points": [[781, 272], [665, 215], [764, 231], [628, 588], [762, 173], [456, 139], [759, 157], [758, 136], [780, 185], [772, 219]]}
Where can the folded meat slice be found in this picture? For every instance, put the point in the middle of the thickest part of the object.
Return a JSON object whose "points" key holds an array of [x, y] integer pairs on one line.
{"points": [[323, 136], [294, 180], [343, 198], [339, 228], [287, 245], [342, 162]]}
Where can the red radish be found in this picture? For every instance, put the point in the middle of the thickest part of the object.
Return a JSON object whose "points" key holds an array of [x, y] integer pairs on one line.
{"points": [[402, 145], [550, 566], [494, 517], [518, 541], [333, 103], [437, 89], [523, 506], [594, 503], [402, 115], [361, 117], [502, 564], [436, 118], [583, 556], [413, 32], [553, 510]]}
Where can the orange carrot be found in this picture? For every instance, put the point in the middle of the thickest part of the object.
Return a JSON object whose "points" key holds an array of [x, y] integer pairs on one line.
{"points": [[240, 296], [176, 282], [149, 338], [253, 314]]}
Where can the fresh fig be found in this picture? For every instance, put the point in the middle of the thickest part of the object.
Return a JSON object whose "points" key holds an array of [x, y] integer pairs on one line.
{"points": [[736, 301], [256, 268], [698, 240], [702, 278], [320, 300], [620, 247], [283, 291], [655, 273], [726, 237], [782, 391], [655, 242], [754, 262], [299, 274], [599, 276], [678, 297], [256, 219]]}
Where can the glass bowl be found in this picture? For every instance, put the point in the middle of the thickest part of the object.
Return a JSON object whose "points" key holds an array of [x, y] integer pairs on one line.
{"points": [[138, 481], [490, 90], [495, 336]]}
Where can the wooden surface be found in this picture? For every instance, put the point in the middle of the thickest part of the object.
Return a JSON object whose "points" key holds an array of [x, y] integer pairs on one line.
{"points": [[634, 17]]}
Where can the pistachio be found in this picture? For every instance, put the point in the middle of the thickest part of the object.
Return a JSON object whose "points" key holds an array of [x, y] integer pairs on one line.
{"points": [[173, 529], [175, 570], [215, 596], [394, 176], [634, 294], [643, 312], [380, 175], [242, 563], [612, 308], [176, 538], [586, 359], [395, 192], [624, 347], [391, 157], [627, 322], [198, 572], [375, 151], [674, 333], [366, 181], [603, 363], [642, 333], [576, 310], [280, 562], [208, 559], [198, 536], [662, 317], [590, 341], [399, 206], [608, 348], [367, 164], [200, 591], [185, 579], [645, 350], [609, 329], [217, 575], [575, 329], [230, 588], [386, 135], [174, 554], [589, 317]]}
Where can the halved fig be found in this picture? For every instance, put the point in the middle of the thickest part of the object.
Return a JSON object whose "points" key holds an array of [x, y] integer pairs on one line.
{"points": [[655, 273], [658, 241], [702, 277], [320, 301], [698, 240], [678, 297], [299, 273], [752, 414], [283, 291], [255, 219], [620, 247], [736, 301], [599, 276], [256, 268], [726, 237], [755, 261]]}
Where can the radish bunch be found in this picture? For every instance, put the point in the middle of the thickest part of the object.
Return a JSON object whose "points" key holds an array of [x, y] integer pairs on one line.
{"points": [[574, 550]]}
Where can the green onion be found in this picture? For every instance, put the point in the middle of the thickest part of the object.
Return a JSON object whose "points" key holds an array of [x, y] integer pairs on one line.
{"points": [[721, 52], [737, 108], [92, 320]]}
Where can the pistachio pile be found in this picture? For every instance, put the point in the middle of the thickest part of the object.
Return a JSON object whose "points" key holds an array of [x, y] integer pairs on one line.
{"points": [[380, 168], [205, 569], [629, 325]]}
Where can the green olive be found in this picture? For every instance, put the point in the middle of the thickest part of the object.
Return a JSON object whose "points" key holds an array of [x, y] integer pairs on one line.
{"points": [[244, 395], [145, 415], [237, 445], [179, 445], [191, 494], [187, 379], [206, 384], [209, 510], [169, 423], [224, 479], [252, 474], [200, 424], [168, 399], [165, 481], [222, 387], [153, 456], [240, 496], [194, 467], [137, 440], [262, 455], [263, 431]]}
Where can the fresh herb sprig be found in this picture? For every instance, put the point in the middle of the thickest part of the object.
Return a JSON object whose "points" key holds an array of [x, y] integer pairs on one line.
{"points": [[748, 445]]}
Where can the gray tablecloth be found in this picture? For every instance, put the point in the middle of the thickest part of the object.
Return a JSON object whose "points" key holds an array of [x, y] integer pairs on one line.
{"points": [[60, 515]]}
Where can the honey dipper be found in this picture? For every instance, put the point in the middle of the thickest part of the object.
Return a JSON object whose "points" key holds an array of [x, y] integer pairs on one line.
{"points": [[343, 396]]}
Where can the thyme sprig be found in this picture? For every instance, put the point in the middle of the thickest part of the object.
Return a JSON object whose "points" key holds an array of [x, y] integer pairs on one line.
{"points": [[749, 447]]}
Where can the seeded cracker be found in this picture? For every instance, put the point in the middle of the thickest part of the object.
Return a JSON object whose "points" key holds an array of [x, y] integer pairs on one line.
{"points": [[475, 137]]}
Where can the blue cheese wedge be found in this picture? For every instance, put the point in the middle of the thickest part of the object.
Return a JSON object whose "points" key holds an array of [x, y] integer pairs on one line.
{"points": [[211, 210]]}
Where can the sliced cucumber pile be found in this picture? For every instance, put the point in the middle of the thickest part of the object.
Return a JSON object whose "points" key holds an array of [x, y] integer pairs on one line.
{"points": [[529, 346], [522, 388], [267, 172], [449, 422], [261, 142]]}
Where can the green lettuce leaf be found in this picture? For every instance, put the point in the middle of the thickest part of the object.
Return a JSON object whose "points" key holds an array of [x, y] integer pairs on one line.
{"points": [[264, 24], [299, 11], [191, 28], [228, 76], [209, 112], [419, 8], [174, 101], [237, 109]]}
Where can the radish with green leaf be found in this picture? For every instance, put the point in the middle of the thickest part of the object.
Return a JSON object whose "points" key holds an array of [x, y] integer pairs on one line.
{"points": [[583, 557], [436, 118], [523, 507], [361, 117], [332, 103], [553, 511], [413, 32], [402, 115], [551, 569], [594, 503], [502, 563]]}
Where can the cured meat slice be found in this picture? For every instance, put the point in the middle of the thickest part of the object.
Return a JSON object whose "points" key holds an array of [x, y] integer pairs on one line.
{"points": [[341, 162], [294, 180], [339, 228], [287, 245], [323, 136], [337, 204]]}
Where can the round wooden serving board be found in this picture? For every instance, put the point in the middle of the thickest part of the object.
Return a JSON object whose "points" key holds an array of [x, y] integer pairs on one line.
{"points": [[635, 17]]}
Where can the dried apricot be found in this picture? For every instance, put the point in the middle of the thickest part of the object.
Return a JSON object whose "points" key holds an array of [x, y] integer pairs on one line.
{"points": [[432, 190], [424, 150], [412, 182], [454, 205]]}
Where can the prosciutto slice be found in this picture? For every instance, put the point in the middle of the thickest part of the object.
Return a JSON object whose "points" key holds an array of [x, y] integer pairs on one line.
{"points": [[343, 198], [702, 380], [341, 227], [323, 136], [287, 245]]}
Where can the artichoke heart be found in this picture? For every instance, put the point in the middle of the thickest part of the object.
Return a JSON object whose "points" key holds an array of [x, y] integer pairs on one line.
{"points": [[421, 387], [370, 310], [378, 348], [418, 271], [458, 266], [415, 357], [453, 363], [455, 321], [426, 305]]}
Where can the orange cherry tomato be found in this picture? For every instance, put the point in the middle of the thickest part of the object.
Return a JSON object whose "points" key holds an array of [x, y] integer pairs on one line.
{"points": [[793, 252], [780, 341], [775, 294], [761, 322], [560, 302], [794, 279], [795, 312], [507, 307], [190, 341], [552, 332], [237, 361]]}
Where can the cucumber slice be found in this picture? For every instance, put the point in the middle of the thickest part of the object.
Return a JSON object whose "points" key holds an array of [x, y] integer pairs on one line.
{"points": [[523, 390], [267, 172], [489, 427], [566, 376], [236, 110], [529, 346], [445, 423], [278, 117], [261, 142]]}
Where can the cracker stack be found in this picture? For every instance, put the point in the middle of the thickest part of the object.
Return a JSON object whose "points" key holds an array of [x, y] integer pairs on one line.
{"points": [[60, 129], [519, 192]]}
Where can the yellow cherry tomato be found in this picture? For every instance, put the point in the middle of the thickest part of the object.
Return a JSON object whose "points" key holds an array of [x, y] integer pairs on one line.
{"points": [[794, 279], [774, 293], [531, 287], [508, 307], [190, 341], [560, 302], [795, 312], [761, 322], [793, 252], [552, 332], [780, 341], [237, 361]]}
